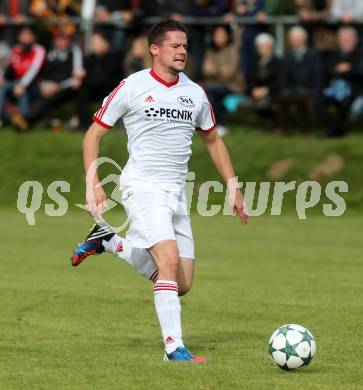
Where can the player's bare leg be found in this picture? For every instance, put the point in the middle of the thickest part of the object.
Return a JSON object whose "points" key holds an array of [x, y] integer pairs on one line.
{"points": [[105, 240], [166, 256], [167, 302], [185, 275]]}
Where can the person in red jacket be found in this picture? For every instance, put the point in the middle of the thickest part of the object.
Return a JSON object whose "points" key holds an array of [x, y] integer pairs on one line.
{"points": [[19, 80]]}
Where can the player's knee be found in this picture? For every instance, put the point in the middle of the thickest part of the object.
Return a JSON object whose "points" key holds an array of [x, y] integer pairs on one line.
{"points": [[167, 259], [169, 264], [184, 290]]}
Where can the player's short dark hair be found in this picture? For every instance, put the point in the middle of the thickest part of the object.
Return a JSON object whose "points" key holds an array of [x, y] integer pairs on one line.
{"points": [[157, 32]]}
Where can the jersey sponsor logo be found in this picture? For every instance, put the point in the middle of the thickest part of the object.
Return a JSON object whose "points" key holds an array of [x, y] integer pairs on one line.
{"points": [[169, 114], [149, 99], [186, 101]]}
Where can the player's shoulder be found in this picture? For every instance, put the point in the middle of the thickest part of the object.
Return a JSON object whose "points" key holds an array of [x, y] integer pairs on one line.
{"points": [[131, 84], [137, 78], [187, 82]]}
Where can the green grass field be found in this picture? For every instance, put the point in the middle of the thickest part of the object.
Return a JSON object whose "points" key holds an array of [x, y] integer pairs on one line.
{"points": [[95, 327]]}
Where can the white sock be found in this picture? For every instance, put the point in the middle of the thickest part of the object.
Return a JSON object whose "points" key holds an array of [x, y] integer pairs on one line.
{"points": [[138, 258], [167, 306]]}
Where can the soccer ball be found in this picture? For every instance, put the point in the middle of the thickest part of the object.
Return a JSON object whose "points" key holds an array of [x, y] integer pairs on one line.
{"points": [[292, 346]]}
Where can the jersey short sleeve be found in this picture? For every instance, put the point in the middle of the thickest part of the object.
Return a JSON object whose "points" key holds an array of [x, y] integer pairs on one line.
{"points": [[114, 106], [205, 122]]}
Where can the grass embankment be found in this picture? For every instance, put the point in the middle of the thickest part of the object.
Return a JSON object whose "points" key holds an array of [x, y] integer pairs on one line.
{"points": [[46, 157]]}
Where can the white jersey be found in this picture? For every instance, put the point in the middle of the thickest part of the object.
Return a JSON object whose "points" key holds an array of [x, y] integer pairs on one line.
{"points": [[160, 119]]}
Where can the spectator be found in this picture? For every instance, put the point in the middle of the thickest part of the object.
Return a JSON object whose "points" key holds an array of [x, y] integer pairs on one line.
{"points": [[347, 11], [20, 77], [300, 81], [103, 72], [314, 14], [210, 7], [264, 89], [249, 33], [346, 77], [46, 9], [221, 70], [15, 10], [115, 11], [4, 53], [169, 9], [61, 77], [199, 36], [279, 7], [138, 57], [313, 10]]}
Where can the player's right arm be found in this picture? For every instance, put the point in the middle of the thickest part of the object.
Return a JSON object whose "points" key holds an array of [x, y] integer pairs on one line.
{"points": [[113, 108], [95, 195]]}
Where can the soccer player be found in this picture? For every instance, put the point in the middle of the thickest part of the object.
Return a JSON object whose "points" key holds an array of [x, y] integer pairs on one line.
{"points": [[161, 109]]}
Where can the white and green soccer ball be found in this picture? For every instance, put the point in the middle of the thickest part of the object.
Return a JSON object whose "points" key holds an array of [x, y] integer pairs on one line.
{"points": [[292, 346]]}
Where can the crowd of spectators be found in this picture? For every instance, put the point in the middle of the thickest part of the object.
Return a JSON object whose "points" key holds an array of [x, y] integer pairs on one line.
{"points": [[319, 77]]}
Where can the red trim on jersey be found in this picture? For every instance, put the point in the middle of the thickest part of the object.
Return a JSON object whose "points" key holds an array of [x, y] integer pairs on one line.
{"points": [[99, 114], [211, 108], [160, 80], [95, 119], [206, 132]]}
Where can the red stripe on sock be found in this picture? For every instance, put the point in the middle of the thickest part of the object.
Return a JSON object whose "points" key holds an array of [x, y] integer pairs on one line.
{"points": [[165, 289], [161, 287]]}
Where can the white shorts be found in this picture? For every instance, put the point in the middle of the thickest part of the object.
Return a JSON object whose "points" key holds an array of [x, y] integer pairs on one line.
{"points": [[155, 215]]}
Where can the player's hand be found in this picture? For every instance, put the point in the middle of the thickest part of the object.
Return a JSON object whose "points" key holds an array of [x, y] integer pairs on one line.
{"points": [[236, 200], [96, 200], [239, 207]]}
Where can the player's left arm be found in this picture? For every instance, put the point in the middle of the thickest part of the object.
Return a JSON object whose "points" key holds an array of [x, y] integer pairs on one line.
{"points": [[222, 161]]}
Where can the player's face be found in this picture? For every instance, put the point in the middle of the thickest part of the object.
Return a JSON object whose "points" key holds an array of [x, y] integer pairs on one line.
{"points": [[172, 52]]}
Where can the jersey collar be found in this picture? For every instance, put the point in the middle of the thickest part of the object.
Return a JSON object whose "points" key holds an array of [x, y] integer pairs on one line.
{"points": [[161, 81]]}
